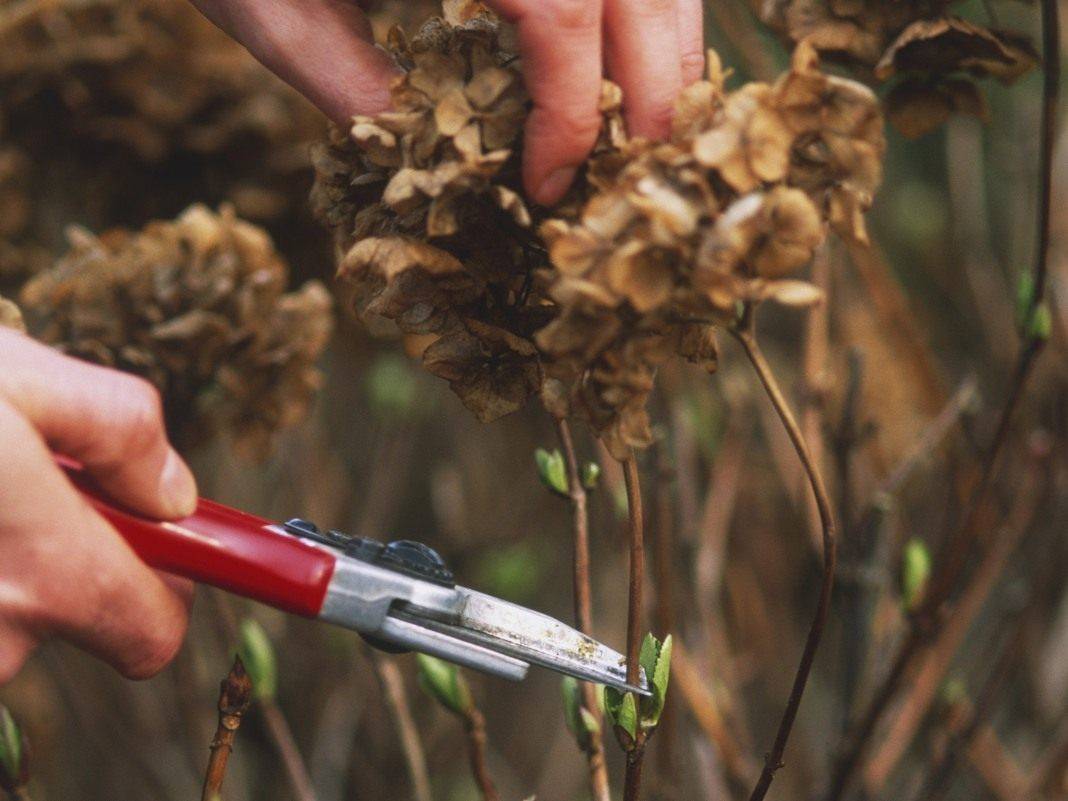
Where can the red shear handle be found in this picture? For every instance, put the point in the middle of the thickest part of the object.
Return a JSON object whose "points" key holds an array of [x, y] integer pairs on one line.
{"points": [[225, 548]]}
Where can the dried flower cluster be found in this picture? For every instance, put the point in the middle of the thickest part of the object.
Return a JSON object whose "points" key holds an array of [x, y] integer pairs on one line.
{"points": [[939, 55], [123, 109], [152, 74], [197, 306], [657, 245]]}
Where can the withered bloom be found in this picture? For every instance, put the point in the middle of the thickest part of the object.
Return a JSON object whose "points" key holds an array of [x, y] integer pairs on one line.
{"points": [[424, 201], [198, 307], [656, 245], [939, 54]]}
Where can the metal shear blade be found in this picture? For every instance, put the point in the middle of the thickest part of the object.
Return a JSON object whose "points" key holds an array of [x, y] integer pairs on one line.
{"points": [[515, 631]]}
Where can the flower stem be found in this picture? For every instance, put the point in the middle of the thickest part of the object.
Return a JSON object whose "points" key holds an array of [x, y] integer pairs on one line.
{"points": [[636, 749], [235, 695], [745, 335], [594, 745]]}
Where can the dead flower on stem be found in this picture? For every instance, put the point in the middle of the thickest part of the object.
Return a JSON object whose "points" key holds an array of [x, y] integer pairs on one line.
{"points": [[655, 246], [196, 305], [939, 55]]}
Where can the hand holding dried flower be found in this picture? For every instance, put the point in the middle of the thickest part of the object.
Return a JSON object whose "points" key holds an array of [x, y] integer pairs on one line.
{"points": [[325, 50]]}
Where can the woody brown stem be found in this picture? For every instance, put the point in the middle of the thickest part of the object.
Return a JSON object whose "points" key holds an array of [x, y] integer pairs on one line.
{"points": [[635, 749], [292, 761], [235, 695], [927, 620], [593, 745], [475, 728], [637, 568], [392, 682], [745, 335]]}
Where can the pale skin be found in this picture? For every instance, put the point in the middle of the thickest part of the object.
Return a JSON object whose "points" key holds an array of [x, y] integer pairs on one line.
{"points": [[64, 571]]}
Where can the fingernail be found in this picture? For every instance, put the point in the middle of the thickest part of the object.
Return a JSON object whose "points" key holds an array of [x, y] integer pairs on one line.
{"points": [[554, 187], [178, 487]]}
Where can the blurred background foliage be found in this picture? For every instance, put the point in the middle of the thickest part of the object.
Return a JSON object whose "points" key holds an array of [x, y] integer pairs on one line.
{"points": [[920, 343]]}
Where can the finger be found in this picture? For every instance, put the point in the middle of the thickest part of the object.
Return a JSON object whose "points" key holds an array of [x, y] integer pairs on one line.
{"points": [[643, 56], [109, 421], [78, 577], [560, 41], [690, 14], [322, 48]]}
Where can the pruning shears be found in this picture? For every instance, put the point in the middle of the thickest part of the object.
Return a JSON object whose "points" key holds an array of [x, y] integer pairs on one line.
{"points": [[399, 595]]}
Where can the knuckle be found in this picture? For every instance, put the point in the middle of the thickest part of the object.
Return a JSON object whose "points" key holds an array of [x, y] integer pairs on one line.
{"points": [[693, 64], [573, 130], [574, 15], [141, 414]]}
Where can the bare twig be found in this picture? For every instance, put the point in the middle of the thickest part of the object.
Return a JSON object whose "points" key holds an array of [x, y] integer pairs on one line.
{"points": [[745, 334], [282, 736], [389, 676], [475, 728], [593, 745], [923, 688], [705, 707], [959, 545], [814, 376], [636, 751], [235, 695], [664, 586]]}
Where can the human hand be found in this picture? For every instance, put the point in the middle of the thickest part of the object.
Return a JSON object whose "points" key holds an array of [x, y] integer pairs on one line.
{"points": [[64, 570], [651, 48]]}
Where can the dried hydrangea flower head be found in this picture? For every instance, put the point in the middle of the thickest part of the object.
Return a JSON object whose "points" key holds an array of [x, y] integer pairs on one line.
{"points": [[197, 306], [656, 245], [428, 220], [678, 234], [939, 55], [123, 86]]}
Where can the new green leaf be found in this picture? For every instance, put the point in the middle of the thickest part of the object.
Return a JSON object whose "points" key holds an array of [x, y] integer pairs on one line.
{"points": [[443, 682], [915, 572], [13, 768], [257, 653], [551, 470]]}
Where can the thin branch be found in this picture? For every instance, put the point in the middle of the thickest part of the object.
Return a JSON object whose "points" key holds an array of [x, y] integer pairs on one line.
{"points": [[235, 695], [389, 676], [282, 736], [636, 753], [475, 729], [773, 761], [594, 745], [924, 686], [959, 545]]}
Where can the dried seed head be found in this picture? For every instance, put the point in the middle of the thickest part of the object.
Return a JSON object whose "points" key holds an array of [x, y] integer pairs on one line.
{"points": [[196, 305], [654, 246], [919, 38]]}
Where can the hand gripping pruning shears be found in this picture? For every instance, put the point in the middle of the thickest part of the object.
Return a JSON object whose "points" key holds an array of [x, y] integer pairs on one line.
{"points": [[400, 595]]}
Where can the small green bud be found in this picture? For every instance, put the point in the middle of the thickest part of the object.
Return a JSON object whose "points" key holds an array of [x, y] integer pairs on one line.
{"points": [[551, 470], [257, 653], [915, 572], [591, 474], [14, 767], [1041, 324], [655, 659], [580, 721], [443, 682], [954, 691], [627, 717]]}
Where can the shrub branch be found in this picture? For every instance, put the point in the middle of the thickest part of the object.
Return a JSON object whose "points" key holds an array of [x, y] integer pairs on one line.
{"points": [[745, 334], [593, 744], [926, 621]]}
